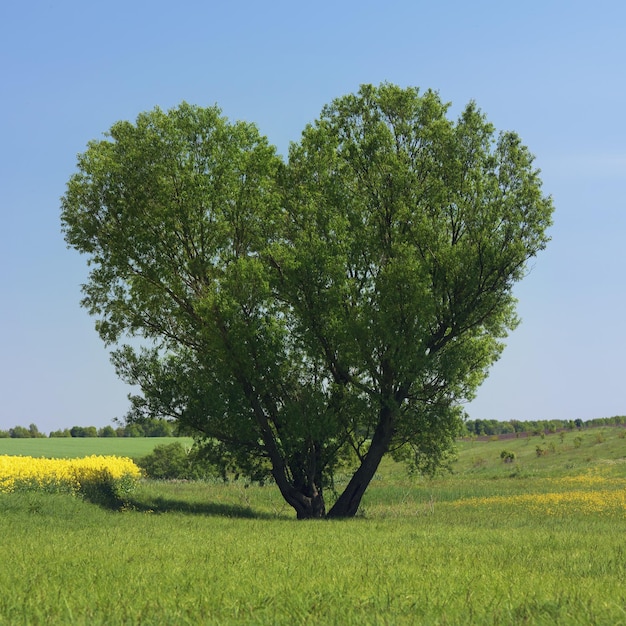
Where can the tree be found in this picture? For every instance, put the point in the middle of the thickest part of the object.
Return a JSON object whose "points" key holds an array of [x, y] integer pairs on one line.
{"points": [[60, 433], [19, 432], [84, 431], [34, 431], [299, 316], [107, 431], [157, 428]]}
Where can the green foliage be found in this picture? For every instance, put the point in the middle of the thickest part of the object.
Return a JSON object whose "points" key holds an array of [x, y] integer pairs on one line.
{"points": [[84, 431], [496, 427], [133, 430], [147, 427], [60, 433], [507, 456], [19, 432], [34, 432], [107, 491], [157, 428], [292, 315], [106, 431], [168, 461]]}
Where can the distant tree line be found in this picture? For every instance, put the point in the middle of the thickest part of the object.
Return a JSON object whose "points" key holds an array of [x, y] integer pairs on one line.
{"points": [[147, 428], [494, 427], [156, 427]]}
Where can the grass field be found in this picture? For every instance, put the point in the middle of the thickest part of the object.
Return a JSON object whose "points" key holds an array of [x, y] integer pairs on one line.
{"points": [[540, 540], [72, 447]]}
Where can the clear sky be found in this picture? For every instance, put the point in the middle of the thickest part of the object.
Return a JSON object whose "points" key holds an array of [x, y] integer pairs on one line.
{"points": [[554, 71]]}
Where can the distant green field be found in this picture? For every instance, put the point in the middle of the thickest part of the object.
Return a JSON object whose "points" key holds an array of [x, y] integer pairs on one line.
{"points": [[556, 454], [71, 447]]}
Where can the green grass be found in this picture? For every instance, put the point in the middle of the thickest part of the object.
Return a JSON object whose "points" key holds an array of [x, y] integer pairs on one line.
{"points": [[420, 552], [71, 447], [562, 452]]}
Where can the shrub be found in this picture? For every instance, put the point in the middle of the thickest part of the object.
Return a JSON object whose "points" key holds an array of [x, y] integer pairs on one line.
{"points": [[166, 461], [174, 461], [507, 456], [102, 486]]}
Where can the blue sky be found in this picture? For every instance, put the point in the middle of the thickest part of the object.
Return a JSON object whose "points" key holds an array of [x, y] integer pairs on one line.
{"points": [[551, 70]]}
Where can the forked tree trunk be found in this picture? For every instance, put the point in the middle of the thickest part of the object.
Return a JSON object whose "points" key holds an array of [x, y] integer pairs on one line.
{"points": [[306, 506], [311, 507]]}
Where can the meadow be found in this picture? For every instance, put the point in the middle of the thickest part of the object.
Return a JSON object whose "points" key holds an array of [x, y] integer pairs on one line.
{"points": [[71, 447], [539, 540]]}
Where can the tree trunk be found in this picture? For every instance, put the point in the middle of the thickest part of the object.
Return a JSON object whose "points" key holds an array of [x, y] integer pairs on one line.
{"points": [[348, 502], [314, 507], [306, 506]]}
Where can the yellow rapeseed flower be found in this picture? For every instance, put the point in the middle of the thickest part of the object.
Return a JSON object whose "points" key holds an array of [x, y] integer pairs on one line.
{"points": [[26, 472], [610, 498]]}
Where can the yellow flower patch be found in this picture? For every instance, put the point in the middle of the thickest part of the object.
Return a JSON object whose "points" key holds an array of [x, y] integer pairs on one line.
{"points": [[593, 493], [69, 475]]}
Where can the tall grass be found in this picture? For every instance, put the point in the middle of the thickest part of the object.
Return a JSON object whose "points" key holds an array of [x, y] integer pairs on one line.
{"points": [[459, 549], [68, 562]]}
